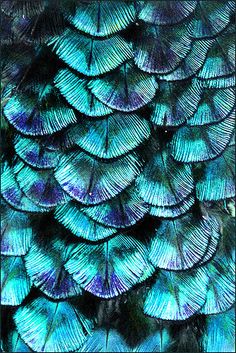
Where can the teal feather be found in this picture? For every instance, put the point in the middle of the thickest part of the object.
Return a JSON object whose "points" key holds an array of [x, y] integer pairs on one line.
{"points": [[44, 265], [221, 290], [215, 105], [161, 49], [40, 186], [71, 216], [105, 341], [35, 153], [174, 104], [15, 283], [195, 144], [104, 18], [54, 326], [16, 344], [180, 244], [219, 83], [90, 181], [173, 211], [121, 211], [210, 18], [111, 137], [76, 92], [157, 342], [27, 118], [220, 59], [16, 231], [217, 181], [176, 296], [125, 89], [192, 62], [13, 195], [163, 182], [219, 332], [89, 56], [108, 269], [161, 12]]}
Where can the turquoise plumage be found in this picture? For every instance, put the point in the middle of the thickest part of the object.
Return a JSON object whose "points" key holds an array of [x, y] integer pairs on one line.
{"points": [[118, 178]]}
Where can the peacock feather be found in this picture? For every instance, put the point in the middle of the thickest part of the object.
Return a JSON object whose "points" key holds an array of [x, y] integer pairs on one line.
{"points": [[118, 178]]}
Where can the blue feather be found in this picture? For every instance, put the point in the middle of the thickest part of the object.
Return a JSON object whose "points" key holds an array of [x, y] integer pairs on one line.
{"points": [[173, 211], [54, 326], [15, 343]]}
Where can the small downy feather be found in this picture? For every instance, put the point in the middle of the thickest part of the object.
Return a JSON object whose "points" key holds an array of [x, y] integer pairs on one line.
{"points": [[15, 283], [54, 326], [219, 332], [90, 181], [112, 136], [165, 12], [105, 341], [13, 195], [102, 18], [40, 186], [34, 153], [173, 211], [89, 56], [108, 269], [163, 182], [71, 216], [180, 244], [126, 89], [161, 49], [217, 181], [44, 265], [16, 231], [201, 143], [77, 94], [176, 295], [121, 211]]}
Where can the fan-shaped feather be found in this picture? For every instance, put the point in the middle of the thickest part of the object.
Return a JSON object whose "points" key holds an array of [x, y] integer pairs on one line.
{"points": [[102, 18], [15, 284], [163, 182], [165, 12], [173, 211], [126, 89], [40, 186], [44, 264], [210, 18], [176, 295], [35, 154], [26, 117], [16, 231], [71, 216], [16, 344], [90, 56], [110, 268], [217, 181], [90, 181], [175, 103], [105, 341], [161, 49], [195, 144], [111, 137], [215, 105], [48, 326], [219, 333], [12, 193], [76, 92], [180, 244], [121, 211]]}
